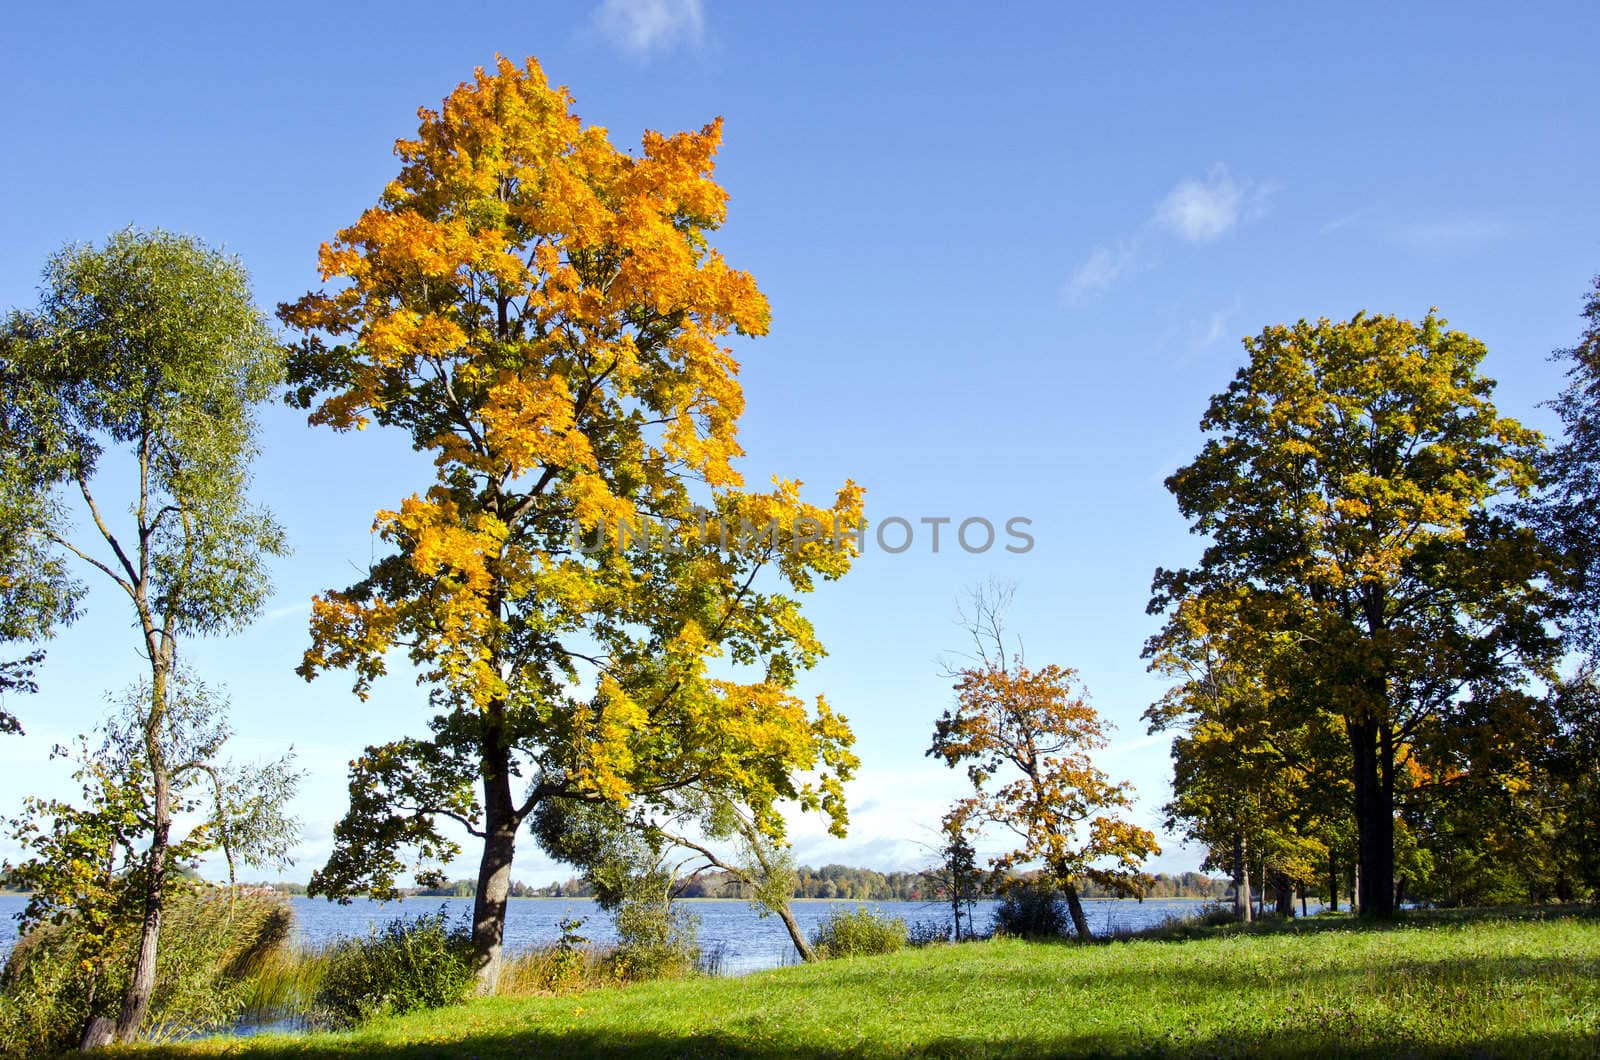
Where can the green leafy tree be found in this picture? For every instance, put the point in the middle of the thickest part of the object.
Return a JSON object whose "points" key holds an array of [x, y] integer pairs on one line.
{"points": [[1574, 773], [1355, 471], [632, 877], [16, 676], [148, 350], [1500, 800], [88, 863], [1258, 772], [37, 593], [707, 824], [958, 878]]}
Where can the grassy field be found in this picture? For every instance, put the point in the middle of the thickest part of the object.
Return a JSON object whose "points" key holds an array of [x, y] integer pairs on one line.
{"points": [[1433, 987]]}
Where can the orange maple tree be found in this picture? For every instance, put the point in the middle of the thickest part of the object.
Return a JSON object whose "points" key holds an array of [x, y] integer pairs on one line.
{"points": [[545, 314]]}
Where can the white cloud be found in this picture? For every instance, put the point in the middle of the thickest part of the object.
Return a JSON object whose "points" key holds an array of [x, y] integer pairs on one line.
{"points": [[1202, 210], [647, 26], [1195, 211], [1216, 329], [1346, 220]]}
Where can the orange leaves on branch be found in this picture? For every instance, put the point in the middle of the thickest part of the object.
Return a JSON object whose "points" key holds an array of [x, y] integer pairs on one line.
{"points": [[530, 423], [1026, 737], [519, 250]]}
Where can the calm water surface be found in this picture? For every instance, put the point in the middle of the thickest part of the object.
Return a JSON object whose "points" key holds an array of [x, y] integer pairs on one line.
{"points": [[746, 940]]}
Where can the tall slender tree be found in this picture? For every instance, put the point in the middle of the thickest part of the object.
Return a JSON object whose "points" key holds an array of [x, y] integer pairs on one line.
{"points": [[149, 348], [546, 316], [88, 859]]}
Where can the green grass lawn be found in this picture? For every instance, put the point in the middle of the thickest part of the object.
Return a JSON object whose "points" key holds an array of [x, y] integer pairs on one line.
{"points": [[1436, 987]]}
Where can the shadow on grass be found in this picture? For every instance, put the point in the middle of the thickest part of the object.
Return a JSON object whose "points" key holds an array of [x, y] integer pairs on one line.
{"points": [[1299, 1042]]}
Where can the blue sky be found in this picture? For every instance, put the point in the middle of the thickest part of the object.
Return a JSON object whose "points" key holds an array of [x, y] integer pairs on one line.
{"points": [[1010, 255]]}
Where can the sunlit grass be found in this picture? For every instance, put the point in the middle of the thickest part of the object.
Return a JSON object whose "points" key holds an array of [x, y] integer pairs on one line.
{"points": [[1498, 986]]}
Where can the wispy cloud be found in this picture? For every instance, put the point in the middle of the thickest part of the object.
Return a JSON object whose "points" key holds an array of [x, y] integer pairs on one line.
{"points": [[1213, 329], [1423, 231], [1103, 267], [645, 27], [278, 613], [1196, 210], [1346, 220], [1200, 211], [1453, 232]]}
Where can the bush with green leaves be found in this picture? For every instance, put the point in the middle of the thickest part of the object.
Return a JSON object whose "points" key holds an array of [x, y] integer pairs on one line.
{"points": [[928, 932], [1032, 910], [860, 932], [408, 964], [656, 939], [60, 975]]}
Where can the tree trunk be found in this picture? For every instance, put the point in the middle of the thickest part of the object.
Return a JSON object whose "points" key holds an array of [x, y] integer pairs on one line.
{"points": [[1080, 922], [142, 984], [101, 1030], [1261, 892], [1374, 791], [500, 823], [1333, 882], [1241, 881], [801, 946], [1284, 894], [1384, 866], [136, 1000]]}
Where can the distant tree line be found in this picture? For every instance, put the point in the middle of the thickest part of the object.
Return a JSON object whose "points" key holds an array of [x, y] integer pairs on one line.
{"points": [[846, 882]]}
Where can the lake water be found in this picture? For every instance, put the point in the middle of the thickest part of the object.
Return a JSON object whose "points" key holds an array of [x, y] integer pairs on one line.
{"points": [[746, 940]]}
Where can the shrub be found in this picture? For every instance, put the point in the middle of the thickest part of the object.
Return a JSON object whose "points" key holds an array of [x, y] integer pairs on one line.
{"points": [[655, 940], [403, 966], [211, 942], [1032, 911], [858, 933], [927, 932], [569, 960], [1214, 915]]}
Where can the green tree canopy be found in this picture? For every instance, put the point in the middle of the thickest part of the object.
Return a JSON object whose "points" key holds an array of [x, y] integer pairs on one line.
{"points": [[1356, 472]]}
